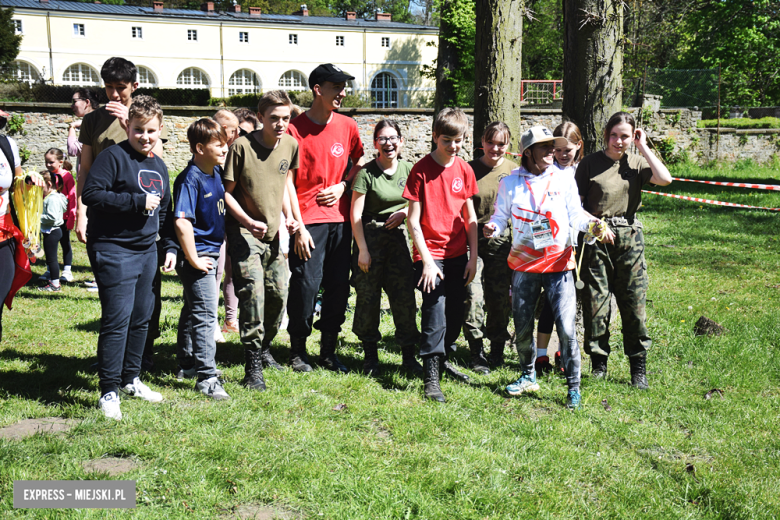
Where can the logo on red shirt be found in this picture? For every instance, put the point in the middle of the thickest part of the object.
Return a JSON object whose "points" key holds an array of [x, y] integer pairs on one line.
{"points": [[337, 150], [457, 185]]}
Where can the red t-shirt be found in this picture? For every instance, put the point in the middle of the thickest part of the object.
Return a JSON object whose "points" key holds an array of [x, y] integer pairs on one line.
{"points": [[324, 151], [442, 192]]}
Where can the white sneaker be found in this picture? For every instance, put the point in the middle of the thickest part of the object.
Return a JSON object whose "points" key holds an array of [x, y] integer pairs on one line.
{"points": [[67, 276], [218, 337], [140, 390], [211, 387], [109, 405]]}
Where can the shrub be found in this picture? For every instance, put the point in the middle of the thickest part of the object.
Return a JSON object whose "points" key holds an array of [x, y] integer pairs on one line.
{"points": [[742, 122]]}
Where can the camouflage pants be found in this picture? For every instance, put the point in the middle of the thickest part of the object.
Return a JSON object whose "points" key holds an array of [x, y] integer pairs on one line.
{"points": [[489, 292], [260, 281], [618, 268], [391, 269]]}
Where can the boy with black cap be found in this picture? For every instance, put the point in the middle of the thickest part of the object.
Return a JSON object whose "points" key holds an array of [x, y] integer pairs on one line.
{"points": [[327, 142]]}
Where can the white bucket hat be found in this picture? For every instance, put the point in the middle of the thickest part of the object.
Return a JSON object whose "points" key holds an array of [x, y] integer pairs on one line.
{"points": [[540, 134]]}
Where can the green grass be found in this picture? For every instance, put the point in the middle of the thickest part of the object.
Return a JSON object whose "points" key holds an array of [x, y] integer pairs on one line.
{"points": [[665, 453], [741, 122]]}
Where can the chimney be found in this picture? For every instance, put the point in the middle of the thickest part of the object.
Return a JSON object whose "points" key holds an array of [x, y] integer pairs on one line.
{"points": [[234, 8], [383, 17], [255, 11], [303, 12], [351, 15], [158, 6], [207, 7]]}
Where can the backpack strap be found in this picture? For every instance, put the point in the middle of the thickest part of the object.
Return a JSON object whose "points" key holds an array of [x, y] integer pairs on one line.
{"points": [[5, 146]]}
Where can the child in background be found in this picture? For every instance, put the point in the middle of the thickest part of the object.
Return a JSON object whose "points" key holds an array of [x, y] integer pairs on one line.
{"points": [[566, 159], [54, 205], [57, 164], [200, 229], [128, 195], [444, 231], [247, 121]]}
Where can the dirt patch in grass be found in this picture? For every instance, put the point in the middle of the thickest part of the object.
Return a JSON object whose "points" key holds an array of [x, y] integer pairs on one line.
{"points": [[113, 466], [30, 427], [260, 512]]}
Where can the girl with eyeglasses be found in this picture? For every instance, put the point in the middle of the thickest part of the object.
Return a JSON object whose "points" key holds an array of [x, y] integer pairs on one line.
{"points": [[381, 258]]}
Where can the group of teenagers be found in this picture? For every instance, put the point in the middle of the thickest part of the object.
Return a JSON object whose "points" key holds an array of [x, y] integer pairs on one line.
{"points": [[487, 236]]}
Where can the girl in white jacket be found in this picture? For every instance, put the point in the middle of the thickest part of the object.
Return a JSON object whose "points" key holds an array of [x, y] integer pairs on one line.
{"points": [[542, 203]]}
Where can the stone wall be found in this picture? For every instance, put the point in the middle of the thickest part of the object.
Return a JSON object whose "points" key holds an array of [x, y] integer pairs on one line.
{"points": [[46, 126]]}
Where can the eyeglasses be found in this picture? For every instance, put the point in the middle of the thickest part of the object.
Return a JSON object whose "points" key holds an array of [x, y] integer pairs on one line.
{"points": [[76, 100], [392, 139]]}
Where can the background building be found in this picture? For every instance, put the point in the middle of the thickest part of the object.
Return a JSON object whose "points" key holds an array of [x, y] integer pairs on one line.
{"points": [[66, 43]]}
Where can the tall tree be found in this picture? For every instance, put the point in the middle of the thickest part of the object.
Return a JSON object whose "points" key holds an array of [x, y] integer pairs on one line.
{"points": [[499, 45], [455, 61], [592, 65], [9, 40]]}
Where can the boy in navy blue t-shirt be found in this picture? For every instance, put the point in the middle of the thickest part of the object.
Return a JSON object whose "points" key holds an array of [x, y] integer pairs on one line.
{"points": [[200, 229], [127, 192]]}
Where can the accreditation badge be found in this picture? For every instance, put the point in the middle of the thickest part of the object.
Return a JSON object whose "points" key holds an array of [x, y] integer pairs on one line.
{"points": [[542, 234]]}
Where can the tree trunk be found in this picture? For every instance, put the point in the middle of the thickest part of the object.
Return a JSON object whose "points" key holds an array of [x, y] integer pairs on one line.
{"points": [[499, 44], [446, 62], [592, 65]]}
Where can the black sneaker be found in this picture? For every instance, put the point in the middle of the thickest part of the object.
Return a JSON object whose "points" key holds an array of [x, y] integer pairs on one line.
{"points": [[50, 287]]}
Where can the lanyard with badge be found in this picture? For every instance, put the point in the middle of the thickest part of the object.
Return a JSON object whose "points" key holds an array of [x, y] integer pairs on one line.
{"points": [[541, 229]]}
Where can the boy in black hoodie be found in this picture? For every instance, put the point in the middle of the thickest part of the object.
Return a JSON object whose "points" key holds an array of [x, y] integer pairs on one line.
{"points": [[128, 193]]}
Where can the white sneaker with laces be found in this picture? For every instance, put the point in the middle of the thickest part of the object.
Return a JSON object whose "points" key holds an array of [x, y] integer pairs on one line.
{"points": [[211, 387], [67, 276], [109, 405], [140, 390]]}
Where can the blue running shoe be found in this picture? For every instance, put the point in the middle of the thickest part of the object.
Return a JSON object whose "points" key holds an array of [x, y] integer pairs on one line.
{"points": [[526, 383], [573, 400]]}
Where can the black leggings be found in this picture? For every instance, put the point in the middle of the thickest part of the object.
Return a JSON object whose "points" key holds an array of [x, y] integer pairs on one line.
{"points": [[50, 243], [67, 250], [7, 270]]}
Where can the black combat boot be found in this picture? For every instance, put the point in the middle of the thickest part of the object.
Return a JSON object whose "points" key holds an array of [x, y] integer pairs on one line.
{"points": [[478, 363], [639, 371], [450, 370], [599, 364], [371, 359], [299, 360], [253, 371], [496, 354], [328, 357], [268, 360], [409, 361], [431, 378]]}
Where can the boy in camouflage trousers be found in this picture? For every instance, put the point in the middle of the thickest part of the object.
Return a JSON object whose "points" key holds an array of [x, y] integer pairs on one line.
{"points": [[255, 179]]}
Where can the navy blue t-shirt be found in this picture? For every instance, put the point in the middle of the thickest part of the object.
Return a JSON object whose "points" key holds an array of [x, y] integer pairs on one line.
{"points": [[200, 198]]}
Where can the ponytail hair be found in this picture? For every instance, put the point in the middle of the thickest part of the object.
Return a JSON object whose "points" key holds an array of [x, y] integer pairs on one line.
{"points": [[55, 179], [60, 155]]}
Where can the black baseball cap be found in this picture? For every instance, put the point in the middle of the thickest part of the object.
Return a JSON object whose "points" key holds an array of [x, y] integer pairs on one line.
{"points": [[327, 72]]}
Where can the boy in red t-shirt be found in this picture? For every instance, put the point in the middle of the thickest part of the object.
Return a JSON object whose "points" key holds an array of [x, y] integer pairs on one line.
{"points": [[444, 229], [327, 141]]}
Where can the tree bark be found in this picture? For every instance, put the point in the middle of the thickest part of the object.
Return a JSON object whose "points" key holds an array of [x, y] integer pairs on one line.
{"points": [[592, 65], [497, 78], [446, 62]]}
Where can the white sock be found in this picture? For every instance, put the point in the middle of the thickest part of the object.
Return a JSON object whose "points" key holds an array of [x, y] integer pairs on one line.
{"points": [[541, 352], [56, 283], [66, 269]]}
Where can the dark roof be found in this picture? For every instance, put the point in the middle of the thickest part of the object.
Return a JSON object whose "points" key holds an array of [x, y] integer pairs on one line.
{"points": [[132, 10]]}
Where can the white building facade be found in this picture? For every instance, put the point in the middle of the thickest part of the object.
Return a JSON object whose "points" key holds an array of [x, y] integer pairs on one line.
{"points": [[66, 43]]}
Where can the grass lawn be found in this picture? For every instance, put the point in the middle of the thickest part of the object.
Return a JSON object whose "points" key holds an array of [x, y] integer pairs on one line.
{"points": [[664, 453]]}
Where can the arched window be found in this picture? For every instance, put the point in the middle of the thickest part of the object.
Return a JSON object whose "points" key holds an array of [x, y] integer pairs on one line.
{"points": [[23, 71], [193, 77], [146, 78], [293, 80], [384, 91], [243, 81], [81, 74]]}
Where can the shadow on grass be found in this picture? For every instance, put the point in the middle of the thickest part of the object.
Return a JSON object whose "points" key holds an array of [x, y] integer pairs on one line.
{"points": [[49, 378]]}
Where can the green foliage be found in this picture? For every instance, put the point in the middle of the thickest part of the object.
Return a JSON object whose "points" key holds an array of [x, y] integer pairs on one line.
{"points": [[24, 153], [302, 98], [667, 147], [9, 40], [15, 125], [355, 101], [543, 40], [741, 122], [237, 100], [459, 30], [743, 139], [647, 114], [675, 119]]}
